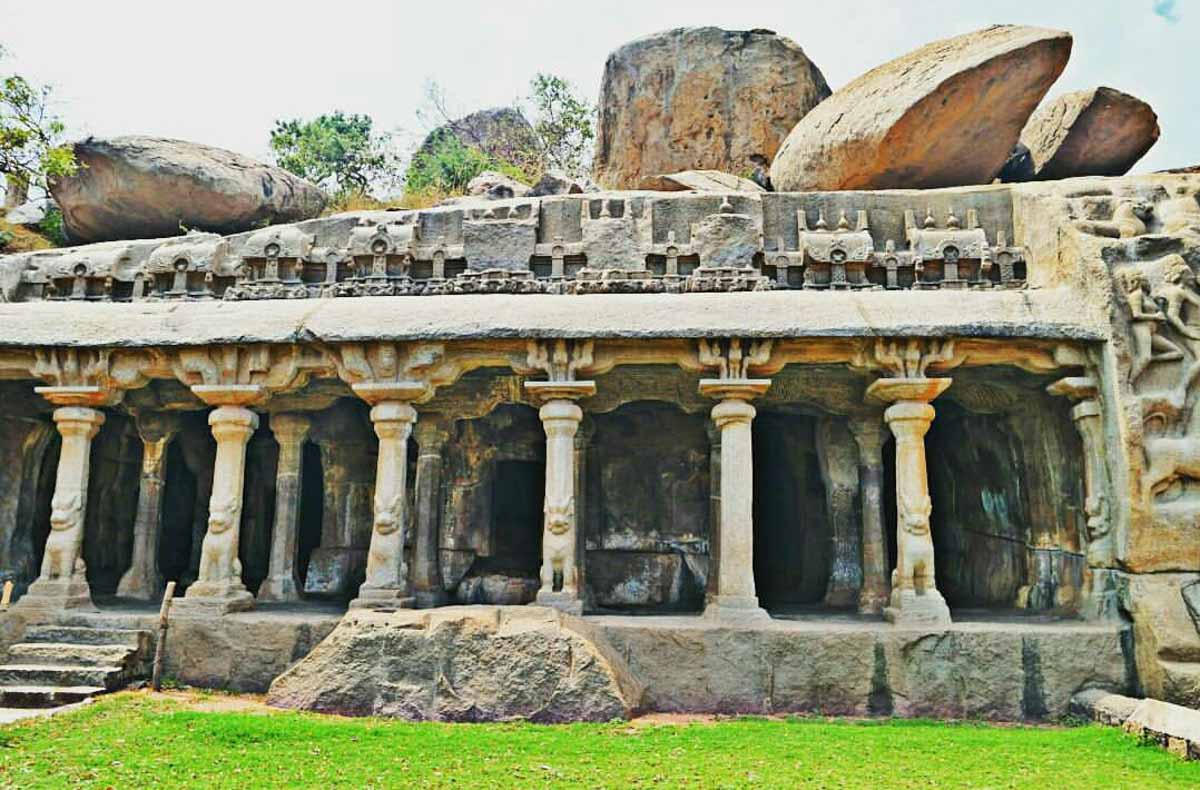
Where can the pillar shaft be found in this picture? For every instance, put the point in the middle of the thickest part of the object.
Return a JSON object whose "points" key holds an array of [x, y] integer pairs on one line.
{"points": [[290, 431], [142, 580], [431, 436], [387, 583], [219, 581], [839, 471], [560, 545], [869, 434], [915, 598], [62, 583]]}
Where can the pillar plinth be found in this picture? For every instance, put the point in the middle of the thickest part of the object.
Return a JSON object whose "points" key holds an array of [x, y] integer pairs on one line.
{"points": [[290, 431], [735, 598], [387, 584], [915, 599], [218, 587], [431, 436], [869, 433], [62, 583], [142, 581], [560, 416]]}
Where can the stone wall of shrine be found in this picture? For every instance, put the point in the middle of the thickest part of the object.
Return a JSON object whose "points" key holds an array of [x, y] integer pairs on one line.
{"points": [[986, 392]]}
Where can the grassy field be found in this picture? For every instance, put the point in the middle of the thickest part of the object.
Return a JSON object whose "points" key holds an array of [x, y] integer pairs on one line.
{"points": [[136, 740]]}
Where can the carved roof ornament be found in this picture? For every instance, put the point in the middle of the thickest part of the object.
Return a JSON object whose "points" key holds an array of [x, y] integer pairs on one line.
{"points": [[734, 360], [186, 268], [239, 375], [381, 371], [85, 376], [835, 258]]}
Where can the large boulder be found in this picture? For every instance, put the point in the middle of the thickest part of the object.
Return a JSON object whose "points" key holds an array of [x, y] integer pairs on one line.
{"points": [[946, 114], [500, 132], [150, 187], [1097, 132], [462, 663], [700, 99]]}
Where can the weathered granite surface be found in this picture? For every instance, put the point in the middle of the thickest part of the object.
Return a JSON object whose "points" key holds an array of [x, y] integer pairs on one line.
{"points": [[944, 114], [480, 663]]}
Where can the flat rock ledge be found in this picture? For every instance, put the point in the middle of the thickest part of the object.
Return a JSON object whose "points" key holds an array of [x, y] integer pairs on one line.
{"points": [[477, 663], [1174, 727]]}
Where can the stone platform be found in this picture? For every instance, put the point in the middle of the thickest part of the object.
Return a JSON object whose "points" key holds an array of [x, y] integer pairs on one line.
{"points": [[996, 666]]}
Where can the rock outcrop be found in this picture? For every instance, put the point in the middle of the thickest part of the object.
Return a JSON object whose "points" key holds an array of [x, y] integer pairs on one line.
{"points": [[478, 663], [947, 114], [150, 187], [501, 132], [699, 181], [1097, 132], [700, 98], [496, 186]]}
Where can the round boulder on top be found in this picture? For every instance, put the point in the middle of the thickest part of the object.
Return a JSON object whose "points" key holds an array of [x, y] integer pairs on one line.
{"points": [[501, 132], [947, 114], [1097, 132], [700, 99], [149, 187]]}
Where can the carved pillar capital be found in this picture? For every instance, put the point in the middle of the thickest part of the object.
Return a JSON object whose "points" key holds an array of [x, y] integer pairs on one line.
{"points": [[290, 428], [870, 433]]}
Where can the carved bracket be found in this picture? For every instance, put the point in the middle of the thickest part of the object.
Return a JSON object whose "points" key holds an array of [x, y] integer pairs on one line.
{"points": [[730, 360], [85, 376]]}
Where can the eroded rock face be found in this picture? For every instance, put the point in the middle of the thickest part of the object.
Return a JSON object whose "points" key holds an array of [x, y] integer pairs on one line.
{"points": [[699, 181], [700, 98], [946, 114], [476, 663], [150, 187], [1097, 132]]}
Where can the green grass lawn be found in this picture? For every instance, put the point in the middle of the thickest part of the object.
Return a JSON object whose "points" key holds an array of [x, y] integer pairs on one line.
{"points": [[134, 740]]}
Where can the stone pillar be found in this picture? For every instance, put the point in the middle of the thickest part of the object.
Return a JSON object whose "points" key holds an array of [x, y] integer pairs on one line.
{"points": [[839, 472], [583, 448], [1099, 596], [431, 435], [735, 597], [62, 583], [915, 599], [218, 587], [387, 584], [290, 431], [714, 509], [142, 580], [560, 576], [869, 435]]}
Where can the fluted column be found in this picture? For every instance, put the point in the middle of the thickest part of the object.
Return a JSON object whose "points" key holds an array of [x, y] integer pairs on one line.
{"points": [[142, 580], [290, 431], [218, 587], [560, 416], [62, 583], [915, 599], [431, 434], [735, 597], [387, 584], [869, 434]]}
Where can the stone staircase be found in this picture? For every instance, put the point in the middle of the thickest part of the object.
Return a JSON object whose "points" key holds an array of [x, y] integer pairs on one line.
{"points": [[62, 664]]}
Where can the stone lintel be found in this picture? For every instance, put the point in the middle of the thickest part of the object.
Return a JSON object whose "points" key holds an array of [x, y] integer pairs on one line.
{"points": [[560, 390], [736, 389], [1074, 387], [376, 392], [230, 394], [91, 397], [906, 389]]}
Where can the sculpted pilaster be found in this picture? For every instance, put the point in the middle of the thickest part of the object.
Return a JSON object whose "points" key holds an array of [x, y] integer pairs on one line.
{"points": [[391, 377], [561, 360], [915, 599], [290, 431], [142, 581], [735, 597]]}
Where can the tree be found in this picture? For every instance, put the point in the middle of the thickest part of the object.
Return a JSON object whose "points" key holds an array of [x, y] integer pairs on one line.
{"points": [[31, 147], [563, 124], [340, 153]]}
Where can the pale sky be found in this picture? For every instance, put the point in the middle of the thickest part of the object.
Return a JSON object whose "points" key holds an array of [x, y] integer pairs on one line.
{"points": [[221, 72]]}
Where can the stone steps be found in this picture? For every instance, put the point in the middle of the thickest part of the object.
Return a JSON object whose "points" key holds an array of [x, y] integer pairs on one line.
{"points": [[64, 664], [46, 696], [107, 677]]}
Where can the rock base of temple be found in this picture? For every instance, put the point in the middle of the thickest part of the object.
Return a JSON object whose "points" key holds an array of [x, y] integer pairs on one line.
{"points": [[383, 599]]}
